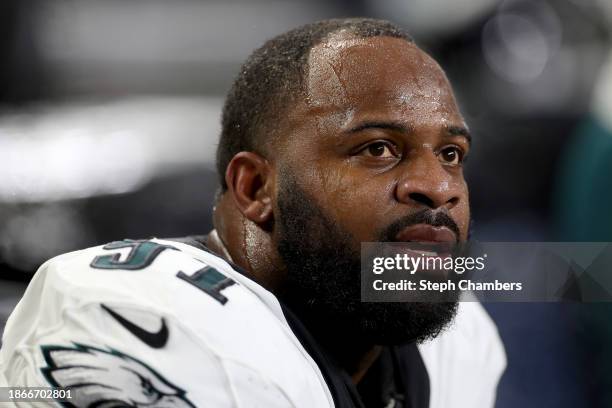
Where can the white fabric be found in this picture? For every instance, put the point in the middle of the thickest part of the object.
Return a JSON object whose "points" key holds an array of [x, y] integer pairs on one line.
{"points": [[466, 362]]}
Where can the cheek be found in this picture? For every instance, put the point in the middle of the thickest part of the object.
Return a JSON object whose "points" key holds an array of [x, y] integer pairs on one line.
{"points": [[360, 205]]}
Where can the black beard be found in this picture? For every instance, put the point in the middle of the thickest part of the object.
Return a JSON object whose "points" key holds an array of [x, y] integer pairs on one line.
{"points": [[323, 278]]}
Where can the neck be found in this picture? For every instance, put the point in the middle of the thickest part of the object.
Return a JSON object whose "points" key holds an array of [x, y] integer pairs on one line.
{"points": [[337, 338], [353, 356], [243, 242], [215, 244], [364, 363]]}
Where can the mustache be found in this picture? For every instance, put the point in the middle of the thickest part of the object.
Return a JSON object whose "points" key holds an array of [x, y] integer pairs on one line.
{"points": [[433, 218]]}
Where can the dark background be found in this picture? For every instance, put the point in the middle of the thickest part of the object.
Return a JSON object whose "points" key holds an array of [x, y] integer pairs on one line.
{"points": [[109, 116]]}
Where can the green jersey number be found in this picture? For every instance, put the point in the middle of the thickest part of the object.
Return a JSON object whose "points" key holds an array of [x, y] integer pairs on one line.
{"points": [[142, 254], [210, 281]]}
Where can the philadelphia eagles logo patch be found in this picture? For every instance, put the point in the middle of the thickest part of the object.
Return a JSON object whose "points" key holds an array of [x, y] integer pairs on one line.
{"points": [[101, 378]]}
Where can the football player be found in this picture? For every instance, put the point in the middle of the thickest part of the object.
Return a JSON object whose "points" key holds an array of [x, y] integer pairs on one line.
{"points": [[335, 133]]}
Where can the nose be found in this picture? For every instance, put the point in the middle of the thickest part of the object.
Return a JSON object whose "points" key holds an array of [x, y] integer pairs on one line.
{"points": [[427, 183]]}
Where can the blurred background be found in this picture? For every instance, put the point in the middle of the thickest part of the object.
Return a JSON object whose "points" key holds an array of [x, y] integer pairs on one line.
{"points": [[109, 117]]}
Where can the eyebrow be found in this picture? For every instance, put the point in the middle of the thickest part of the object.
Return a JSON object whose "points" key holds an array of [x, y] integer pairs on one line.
{"points": [[459, 131], [395, 126], [400, 127]]}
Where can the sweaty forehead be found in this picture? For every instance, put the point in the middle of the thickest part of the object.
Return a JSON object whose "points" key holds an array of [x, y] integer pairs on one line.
{"points": [[346, 72]]}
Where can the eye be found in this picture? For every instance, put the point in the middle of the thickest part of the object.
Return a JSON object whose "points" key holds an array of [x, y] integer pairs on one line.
{"points": [[451, 155], [147, 387], [380, 149]]}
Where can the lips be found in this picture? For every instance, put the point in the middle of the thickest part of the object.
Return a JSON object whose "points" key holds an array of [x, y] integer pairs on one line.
{"points": [[424, 240], [426, 234]]}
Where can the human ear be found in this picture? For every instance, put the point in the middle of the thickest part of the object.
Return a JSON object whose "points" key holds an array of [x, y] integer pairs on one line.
{"points": [[249, 179]]}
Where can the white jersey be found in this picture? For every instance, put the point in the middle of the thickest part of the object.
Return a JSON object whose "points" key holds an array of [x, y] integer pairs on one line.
{"points": [[466, 362], [163, 324], [157, 325]]}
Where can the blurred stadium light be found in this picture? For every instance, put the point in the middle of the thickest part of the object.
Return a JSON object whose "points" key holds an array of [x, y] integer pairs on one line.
{"points": [[518, 45], [602, 98], [109, 115], [80, 150], [182, 46], [431, 18]]}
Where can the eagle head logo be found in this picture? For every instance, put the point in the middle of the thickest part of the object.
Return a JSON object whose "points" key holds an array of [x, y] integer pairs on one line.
{"points": [[108, 379]]}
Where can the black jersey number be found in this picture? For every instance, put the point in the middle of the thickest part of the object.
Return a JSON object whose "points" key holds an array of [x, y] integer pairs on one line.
{"points": [[142, 254]]}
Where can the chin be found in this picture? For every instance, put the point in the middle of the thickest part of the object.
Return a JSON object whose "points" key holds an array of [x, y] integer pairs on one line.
{"points": [[402, 323]]}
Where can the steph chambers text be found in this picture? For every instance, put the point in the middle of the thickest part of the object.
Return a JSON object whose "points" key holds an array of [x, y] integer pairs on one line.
{"points": [[462, 285]]}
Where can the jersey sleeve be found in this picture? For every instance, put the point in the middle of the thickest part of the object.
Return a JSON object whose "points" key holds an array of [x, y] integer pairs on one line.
{"points": [[97, 333]]}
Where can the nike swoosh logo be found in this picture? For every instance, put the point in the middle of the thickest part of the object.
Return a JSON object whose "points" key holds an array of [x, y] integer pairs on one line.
{"points": [[153, 340]]}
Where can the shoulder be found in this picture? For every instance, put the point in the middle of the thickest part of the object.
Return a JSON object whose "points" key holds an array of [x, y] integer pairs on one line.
{"points": [[164, 277], [167, 308], [140, 271]]}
